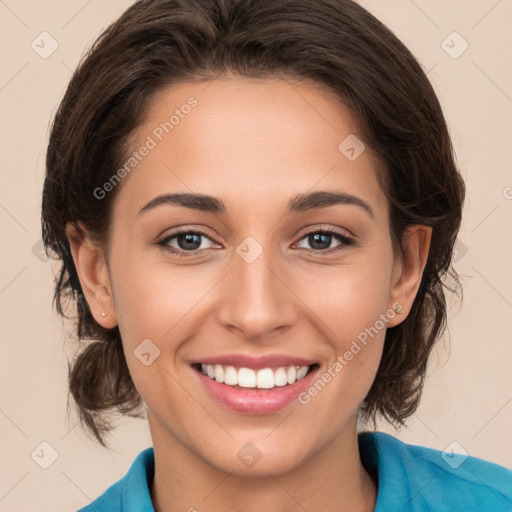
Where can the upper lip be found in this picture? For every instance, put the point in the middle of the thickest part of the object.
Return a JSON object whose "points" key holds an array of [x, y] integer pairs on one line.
{"points": [[255, 362]]}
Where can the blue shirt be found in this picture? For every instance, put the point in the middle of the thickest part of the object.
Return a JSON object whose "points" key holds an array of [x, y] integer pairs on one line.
{"points": [[410, 479]]}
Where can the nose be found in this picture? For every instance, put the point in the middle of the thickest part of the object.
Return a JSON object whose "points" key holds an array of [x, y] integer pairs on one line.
{"points": [[257, 298]]}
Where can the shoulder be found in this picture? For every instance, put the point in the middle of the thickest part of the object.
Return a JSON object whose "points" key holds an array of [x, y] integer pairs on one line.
{"points": [[130, 493], [422, 479]]}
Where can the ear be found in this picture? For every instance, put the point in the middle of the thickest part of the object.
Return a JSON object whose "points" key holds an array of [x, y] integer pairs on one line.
{"points": [[408, 271], [93, 273]]}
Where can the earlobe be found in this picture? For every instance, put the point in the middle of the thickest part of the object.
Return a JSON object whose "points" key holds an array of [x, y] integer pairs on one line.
{"points": [[408, 269], [93, 274]]}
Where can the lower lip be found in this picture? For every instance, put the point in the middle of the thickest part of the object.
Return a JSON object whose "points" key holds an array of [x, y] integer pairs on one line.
{"points": [[256, 401]]}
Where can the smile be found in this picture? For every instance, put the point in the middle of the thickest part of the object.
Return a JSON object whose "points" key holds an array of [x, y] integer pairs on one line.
{"points": [[264, 378], [256, 386]]}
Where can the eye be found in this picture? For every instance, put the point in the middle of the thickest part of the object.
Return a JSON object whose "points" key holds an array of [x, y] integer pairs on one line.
{"points": [[186, 240], [321, 240]]}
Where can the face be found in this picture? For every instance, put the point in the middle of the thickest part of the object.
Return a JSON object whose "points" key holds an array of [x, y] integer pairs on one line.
{"points": [[255, 280]]}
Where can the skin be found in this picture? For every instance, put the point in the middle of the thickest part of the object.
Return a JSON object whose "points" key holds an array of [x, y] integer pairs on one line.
{"points": [[254, 144]]}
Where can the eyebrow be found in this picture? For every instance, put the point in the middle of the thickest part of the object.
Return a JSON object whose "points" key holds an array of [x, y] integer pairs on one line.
{"points": [[299, 203]]}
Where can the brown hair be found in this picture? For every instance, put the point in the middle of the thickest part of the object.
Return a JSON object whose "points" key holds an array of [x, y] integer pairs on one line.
{"points": [[335, 43]]}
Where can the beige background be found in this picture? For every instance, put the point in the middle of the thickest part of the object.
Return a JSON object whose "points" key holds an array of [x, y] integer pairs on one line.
{"points": [[468, 397]]}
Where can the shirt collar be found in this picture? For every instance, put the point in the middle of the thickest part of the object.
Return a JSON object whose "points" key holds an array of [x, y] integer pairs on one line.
{"points": [[136, 490]]}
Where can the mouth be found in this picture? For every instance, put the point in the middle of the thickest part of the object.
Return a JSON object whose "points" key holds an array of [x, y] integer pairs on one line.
{"points": [[255, 379], [255, 386]]}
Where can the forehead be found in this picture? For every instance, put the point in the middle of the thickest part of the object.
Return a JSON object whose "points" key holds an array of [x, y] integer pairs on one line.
{"points": [[248, 140]]}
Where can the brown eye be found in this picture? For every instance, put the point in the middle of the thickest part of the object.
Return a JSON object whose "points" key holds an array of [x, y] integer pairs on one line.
{"points": [[184, 241], [320, 241]]}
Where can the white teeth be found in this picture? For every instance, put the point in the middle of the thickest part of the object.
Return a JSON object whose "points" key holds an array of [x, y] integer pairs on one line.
{"points": [[231, 376], [280, 377], [265, 378], [301, 372], [291, 374], [219, 373], [246, 378]]}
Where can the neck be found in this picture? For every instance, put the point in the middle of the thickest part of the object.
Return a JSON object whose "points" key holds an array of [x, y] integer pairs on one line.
{"points": [[333, 480]]}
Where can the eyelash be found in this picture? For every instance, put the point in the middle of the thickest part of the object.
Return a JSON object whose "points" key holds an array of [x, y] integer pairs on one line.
{"points": [[341, 237]]}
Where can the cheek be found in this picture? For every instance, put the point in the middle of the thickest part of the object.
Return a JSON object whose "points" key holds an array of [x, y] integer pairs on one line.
{"points": [[152, 299], [157, 308], [352, 303], [350, 298], [151, 305], [353, 310]]}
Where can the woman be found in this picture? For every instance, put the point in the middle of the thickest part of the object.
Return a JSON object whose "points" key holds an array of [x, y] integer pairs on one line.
{"points": [[255, 204]]}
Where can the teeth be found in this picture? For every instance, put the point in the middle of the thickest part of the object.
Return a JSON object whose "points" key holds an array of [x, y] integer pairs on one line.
{"points": [[301, 372], [219, 373], [246, 378], [265, 378], [291, 374], [231, 376], [280, 377]]}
